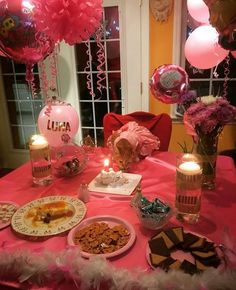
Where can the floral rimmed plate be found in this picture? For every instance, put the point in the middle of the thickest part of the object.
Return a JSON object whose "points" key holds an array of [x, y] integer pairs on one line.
{"points": [[7, 209], [111, 221], [48, 216]]}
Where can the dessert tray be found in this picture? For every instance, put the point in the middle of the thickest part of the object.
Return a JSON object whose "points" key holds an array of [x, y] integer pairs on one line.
{"points": [[176, 249], [48, 216], [126, 188], [107, 236], [7, 209]]}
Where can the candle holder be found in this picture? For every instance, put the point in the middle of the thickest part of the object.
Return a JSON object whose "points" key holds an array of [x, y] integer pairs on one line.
{"points": [[188, 188], [40, 160]]}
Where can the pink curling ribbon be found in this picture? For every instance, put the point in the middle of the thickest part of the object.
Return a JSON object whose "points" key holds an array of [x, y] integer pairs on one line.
{"points": [[43, 79], [30, 79], [53, 69], [101, 59], [226, 74], [87, 70]]}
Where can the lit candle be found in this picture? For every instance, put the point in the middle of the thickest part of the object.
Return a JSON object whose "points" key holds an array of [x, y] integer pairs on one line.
{"points": [[190, 168], [38, 142], [106, 164], [40, 160]]}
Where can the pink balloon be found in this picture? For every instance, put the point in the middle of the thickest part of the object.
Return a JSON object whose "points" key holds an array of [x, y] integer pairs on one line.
{"points": [[72, 21], [202, 49], [168, 83], [233, 52], [58, 124], [198, 10], [19, 38]]}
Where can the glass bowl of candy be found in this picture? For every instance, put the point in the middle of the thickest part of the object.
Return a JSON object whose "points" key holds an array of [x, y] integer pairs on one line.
{"points": [[69, 160], [154, 215]]}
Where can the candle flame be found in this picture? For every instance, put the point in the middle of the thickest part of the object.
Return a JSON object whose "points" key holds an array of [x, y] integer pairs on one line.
{"points": [[106, 162]]}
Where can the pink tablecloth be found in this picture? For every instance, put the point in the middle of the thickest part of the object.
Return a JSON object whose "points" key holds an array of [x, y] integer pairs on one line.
{"points": [[158, 180]]}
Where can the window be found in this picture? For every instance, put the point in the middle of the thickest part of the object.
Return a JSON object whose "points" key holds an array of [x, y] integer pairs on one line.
{"points": [[205, 82], [22, 109]]}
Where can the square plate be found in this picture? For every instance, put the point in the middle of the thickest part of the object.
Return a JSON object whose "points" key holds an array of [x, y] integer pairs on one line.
{"points": [[121, 189]]}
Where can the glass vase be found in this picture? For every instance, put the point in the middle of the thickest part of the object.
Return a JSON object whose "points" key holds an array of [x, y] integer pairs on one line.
{"points": [[206, 148]]}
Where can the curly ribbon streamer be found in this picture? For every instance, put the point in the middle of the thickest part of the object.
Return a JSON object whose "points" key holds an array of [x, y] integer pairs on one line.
{"points": [[87, 70], [30, 79], [226, 79], [43, 79], [53, 69], [101, 59]]}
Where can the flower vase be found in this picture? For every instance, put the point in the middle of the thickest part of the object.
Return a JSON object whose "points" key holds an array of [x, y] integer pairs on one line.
{"points": [[206, 148]]}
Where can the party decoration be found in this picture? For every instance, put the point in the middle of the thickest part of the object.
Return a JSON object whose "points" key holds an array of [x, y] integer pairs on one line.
{"points": [[198, 10], [55, 269], [222, 15], [202, 49], [71, 21], [168, 83], [59, 124], [131, 143], [161, 9], [19, 38]]}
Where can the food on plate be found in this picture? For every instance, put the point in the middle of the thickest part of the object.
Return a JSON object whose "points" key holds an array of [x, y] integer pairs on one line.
{"points": [[49, 211], [6, 212], [100, 238], [166, 242], [111, 177]]}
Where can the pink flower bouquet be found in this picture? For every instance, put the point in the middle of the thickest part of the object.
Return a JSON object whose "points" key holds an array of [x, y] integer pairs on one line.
{"points": [[131, 143]]}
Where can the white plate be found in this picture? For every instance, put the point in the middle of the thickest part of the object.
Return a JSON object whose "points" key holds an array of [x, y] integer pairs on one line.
{"points": [[7, 209], [23, 221], [121, 189], [111, 221]]}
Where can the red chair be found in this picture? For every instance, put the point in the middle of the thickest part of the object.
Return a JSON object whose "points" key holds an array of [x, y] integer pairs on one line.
{"points": [[159, 125]]}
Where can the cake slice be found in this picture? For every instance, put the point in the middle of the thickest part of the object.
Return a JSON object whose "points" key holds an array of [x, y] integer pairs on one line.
{"points": [[188, 267], [169, 243], [189, 239], [203, 255], [166, 264], [176, 235], [156, 260], [158, 247], [198, 244], [213, 261]]}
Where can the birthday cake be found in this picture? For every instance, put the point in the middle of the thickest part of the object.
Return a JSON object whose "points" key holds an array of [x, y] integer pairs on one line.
{"points": [[111, 177]]}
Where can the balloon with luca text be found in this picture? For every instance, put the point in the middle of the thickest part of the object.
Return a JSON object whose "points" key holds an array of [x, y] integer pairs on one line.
{"points": [[58, 123]]}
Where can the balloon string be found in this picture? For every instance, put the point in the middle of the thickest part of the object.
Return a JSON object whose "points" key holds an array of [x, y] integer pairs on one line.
{"points": [[30, 79], [87, 70], [101, 59], [53, 69], [226, 79], [43, 79]]}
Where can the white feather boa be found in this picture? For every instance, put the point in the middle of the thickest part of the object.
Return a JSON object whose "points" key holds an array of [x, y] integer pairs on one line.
{"points": [[51, 269]]}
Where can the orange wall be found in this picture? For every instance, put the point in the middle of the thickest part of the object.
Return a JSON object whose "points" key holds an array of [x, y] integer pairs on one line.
{"points": [[161, 41]]}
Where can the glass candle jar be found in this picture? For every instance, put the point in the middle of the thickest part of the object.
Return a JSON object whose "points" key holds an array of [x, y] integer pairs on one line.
{"points": [[40, 160], [188, 188]]}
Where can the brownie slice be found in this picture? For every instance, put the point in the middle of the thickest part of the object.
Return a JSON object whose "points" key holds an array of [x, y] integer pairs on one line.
{"points": [[169, 243], [189, 239], [158, 247], [199, 244], [175, 234], [175, 266], [208, 246], [188, 267], [156, 260], [203, 255], [165, 265], [213, 261]]}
